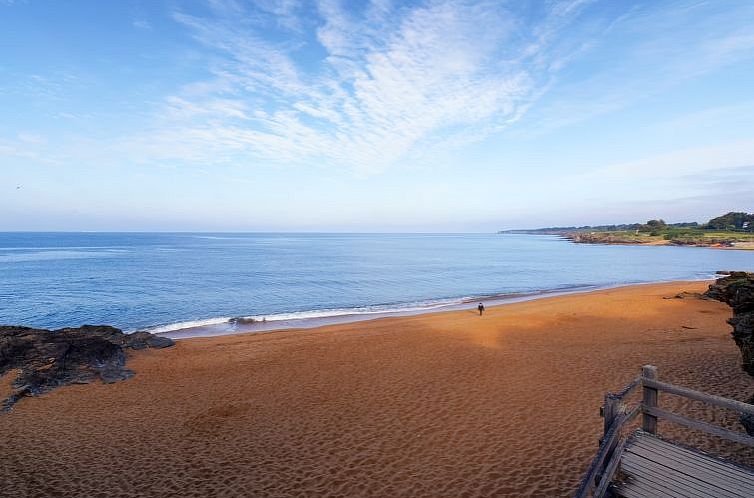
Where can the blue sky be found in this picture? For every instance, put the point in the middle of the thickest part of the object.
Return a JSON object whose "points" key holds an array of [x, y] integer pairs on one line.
{"points": [[372, 115]]}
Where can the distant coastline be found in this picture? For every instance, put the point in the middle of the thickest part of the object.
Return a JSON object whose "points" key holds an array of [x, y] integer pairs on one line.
{"points": [[734, 230]]}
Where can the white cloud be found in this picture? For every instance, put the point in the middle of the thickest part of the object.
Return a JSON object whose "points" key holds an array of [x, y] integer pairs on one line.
{"points": [[680, 163], [646, 51], [142, 24], [379, 86]]}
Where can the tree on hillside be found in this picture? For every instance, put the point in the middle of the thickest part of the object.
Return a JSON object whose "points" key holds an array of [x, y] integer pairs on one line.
{"points": [[732, 221], [657, 224], [654, 227]]}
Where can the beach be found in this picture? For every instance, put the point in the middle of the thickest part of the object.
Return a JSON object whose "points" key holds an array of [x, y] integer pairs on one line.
{"points": [[439, 404]]}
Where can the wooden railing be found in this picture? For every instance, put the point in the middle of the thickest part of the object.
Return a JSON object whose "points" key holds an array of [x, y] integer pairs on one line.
{"points": [[617, 415]]}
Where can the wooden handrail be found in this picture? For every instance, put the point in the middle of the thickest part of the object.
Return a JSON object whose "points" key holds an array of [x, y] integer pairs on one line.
{"points": [[616, 417], [731, 404], [737, 437], [587, 482], [628, 389], [609, 472]]}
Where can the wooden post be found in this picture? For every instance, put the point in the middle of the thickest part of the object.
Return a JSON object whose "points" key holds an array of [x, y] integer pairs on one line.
{"points": [[610, 411], [649, 399]]}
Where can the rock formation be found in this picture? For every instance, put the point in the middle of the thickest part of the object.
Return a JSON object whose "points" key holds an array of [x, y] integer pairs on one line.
{"points": [[737, 290], [47, 359]]}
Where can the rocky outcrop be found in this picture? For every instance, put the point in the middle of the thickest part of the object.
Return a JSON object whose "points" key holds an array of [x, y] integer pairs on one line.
{"points": [[603, 238], [47, 359], [737, 290]]}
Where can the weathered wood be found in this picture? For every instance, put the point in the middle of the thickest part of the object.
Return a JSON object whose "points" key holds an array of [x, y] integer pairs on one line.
{"points": [[607, 475], [693, 455], [680, 484], [653, 460], [738, 437], [657, 467], [609, 411], [735, 483], [632, 413], [698, 461], [649, 399], [643, 483], [628, 389], [731, 404], [595, 467]]}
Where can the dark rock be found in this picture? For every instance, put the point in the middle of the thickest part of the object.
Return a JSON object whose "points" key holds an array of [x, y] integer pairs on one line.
{"points": [[52, 358], [737, 290], [690, 295]]}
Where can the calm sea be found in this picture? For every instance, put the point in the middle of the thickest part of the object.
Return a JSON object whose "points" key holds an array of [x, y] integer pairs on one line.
{"points": [[171, 282]]}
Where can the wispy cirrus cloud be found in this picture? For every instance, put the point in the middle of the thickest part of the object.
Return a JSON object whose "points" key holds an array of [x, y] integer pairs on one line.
{"points": [[357, 89], [648, 50]]}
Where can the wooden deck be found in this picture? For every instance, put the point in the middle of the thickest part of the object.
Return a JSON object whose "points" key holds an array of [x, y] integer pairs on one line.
{"points": [[652, 467], [645, 465]]}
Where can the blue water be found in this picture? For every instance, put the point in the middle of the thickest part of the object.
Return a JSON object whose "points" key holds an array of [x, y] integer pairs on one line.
{"points": [[178, 280]]}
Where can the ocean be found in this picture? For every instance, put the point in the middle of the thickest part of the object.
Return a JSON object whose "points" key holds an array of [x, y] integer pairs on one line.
{"points": [[183, 284]]}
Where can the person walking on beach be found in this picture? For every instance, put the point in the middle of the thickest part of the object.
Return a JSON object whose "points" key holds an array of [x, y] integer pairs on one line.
{"points": [[480, 308]]}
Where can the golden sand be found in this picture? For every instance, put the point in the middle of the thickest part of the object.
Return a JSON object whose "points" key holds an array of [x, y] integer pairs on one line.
{"points": [[445, 404]]}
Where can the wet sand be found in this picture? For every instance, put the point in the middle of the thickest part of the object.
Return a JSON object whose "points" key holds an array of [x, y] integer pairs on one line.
{"points": [[444, 404]]}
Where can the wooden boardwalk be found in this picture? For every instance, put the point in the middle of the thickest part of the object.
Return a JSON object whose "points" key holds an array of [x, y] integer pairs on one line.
{"points": [[645, 465], [652, 467]]}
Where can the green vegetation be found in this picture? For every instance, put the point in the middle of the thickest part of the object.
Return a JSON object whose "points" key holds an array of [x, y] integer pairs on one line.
{"points": [[732, 221], [729, 230]]}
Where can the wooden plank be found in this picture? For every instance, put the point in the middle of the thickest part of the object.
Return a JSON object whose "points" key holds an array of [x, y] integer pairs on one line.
{"points": [[612, 466], [645, 479], [644, 490], [710, 475], [699, 470], [690, 454], [731, 404], [680, 483], [696, 461], [661, 475], [642, 482], [633, 461], [693, 457], [737, 437]]}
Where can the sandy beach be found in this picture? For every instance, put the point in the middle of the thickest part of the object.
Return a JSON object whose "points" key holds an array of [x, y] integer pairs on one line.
{"points": [[444, 404]]}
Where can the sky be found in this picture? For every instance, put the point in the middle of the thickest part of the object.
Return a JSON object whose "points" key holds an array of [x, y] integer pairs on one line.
{"points": [[372, 116]]}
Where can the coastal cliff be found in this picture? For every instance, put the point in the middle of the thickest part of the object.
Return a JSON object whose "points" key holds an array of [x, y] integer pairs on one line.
{"points": [[47, 359], [737, 290]]}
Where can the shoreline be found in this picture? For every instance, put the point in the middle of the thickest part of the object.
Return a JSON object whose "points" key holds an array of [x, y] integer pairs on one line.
{"points": [[438, 404], [602, 238], [223, 326]]}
